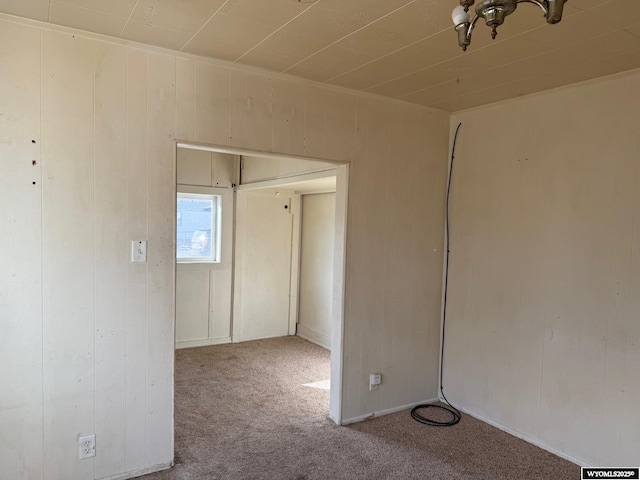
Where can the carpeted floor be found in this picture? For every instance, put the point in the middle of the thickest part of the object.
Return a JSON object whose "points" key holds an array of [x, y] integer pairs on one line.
{"points": [[242, 412]]}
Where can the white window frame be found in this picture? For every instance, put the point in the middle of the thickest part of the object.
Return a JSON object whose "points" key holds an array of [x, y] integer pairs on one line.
{"points": [[215, 224]]}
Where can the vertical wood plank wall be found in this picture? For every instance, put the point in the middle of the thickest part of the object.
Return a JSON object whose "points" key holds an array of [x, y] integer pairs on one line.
{"points": [[87, 340], [262, 269], [110, 254], [137, 162], [543, 335], [317, 235], [68, 242], [21, 289]]}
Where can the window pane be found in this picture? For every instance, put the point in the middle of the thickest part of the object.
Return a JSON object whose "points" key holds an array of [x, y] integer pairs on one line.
{"points": [[196, 229]]}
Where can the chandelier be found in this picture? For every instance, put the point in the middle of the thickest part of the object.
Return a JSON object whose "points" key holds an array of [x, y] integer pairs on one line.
{"points": [[494, 12]]}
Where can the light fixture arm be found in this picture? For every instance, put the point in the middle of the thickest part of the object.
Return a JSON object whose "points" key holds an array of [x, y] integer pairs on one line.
{"points": [[472, 25], [539, 3], [494, 13], [464, 33]]}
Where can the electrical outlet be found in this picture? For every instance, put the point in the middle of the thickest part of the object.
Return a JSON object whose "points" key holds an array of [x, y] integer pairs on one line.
{"points": [[87, 446], [375, 379]]}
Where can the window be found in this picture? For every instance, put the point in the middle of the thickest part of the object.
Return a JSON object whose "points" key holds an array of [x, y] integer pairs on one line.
{"points": [[198, 229]]}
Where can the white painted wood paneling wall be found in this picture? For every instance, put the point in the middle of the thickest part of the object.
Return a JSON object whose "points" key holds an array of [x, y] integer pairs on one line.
{"points": [[87, 337], [317, 238], [394, 256], [21, 289], [255, 169], [262, 275], [543, 336]]}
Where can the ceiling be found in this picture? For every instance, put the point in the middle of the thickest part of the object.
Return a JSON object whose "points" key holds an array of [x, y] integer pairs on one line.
{"points": [[405, 49]]}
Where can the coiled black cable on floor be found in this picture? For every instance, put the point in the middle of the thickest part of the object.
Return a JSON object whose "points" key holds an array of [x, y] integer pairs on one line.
{"points": [[453, 411]]}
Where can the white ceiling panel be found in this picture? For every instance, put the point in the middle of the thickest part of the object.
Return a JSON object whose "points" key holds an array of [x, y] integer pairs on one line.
{"points": [[154, 35], [34, 9], [119, 8], [405, 49], [297, 46], [325, 25], [227, 38], [178, 15], [266, 59], [274, 13], [366, 11], [336, 59], [417, 20], [587, 4], [85, 19], [311, 71]]}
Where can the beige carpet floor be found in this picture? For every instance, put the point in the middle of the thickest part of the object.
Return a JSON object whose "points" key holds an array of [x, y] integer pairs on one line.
{"points": [[243, 412]]}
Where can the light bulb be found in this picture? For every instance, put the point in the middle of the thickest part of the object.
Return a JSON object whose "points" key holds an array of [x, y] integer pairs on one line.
{"points": [[459, 16]]}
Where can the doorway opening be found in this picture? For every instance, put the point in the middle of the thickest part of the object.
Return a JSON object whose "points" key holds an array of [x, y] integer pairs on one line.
{"points": [[260, 251]]}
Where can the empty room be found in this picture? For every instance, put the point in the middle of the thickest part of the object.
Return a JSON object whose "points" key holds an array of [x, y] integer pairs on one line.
{"points": [[319, 239]]}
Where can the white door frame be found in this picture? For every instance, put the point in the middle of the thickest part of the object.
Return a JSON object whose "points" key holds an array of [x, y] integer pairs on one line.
{"points": [[339, 264], [339, 282]]}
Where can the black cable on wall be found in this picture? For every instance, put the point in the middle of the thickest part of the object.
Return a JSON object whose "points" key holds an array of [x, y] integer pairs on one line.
{"points": [[453, 411]]}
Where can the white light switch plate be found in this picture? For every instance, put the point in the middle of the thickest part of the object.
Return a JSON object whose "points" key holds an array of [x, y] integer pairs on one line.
{"points": [[375, 379], [138, 251]]}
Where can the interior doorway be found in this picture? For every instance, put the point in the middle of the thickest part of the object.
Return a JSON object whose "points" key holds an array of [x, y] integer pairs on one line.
{"points": [[249, 286], [285, 239]]}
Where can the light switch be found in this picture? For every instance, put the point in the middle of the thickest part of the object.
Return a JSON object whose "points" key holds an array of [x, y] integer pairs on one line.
{"points": [[375, 379], [138, 251]]}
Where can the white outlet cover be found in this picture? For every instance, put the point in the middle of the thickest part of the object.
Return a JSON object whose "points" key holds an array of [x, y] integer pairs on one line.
{"points": [[87, 446]]}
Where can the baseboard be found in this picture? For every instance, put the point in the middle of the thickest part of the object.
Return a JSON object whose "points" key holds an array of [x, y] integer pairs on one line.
{"points": [[524, 437], [387, 411], [239, 339], [138, 473], [202, 343], [314, 336]]}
